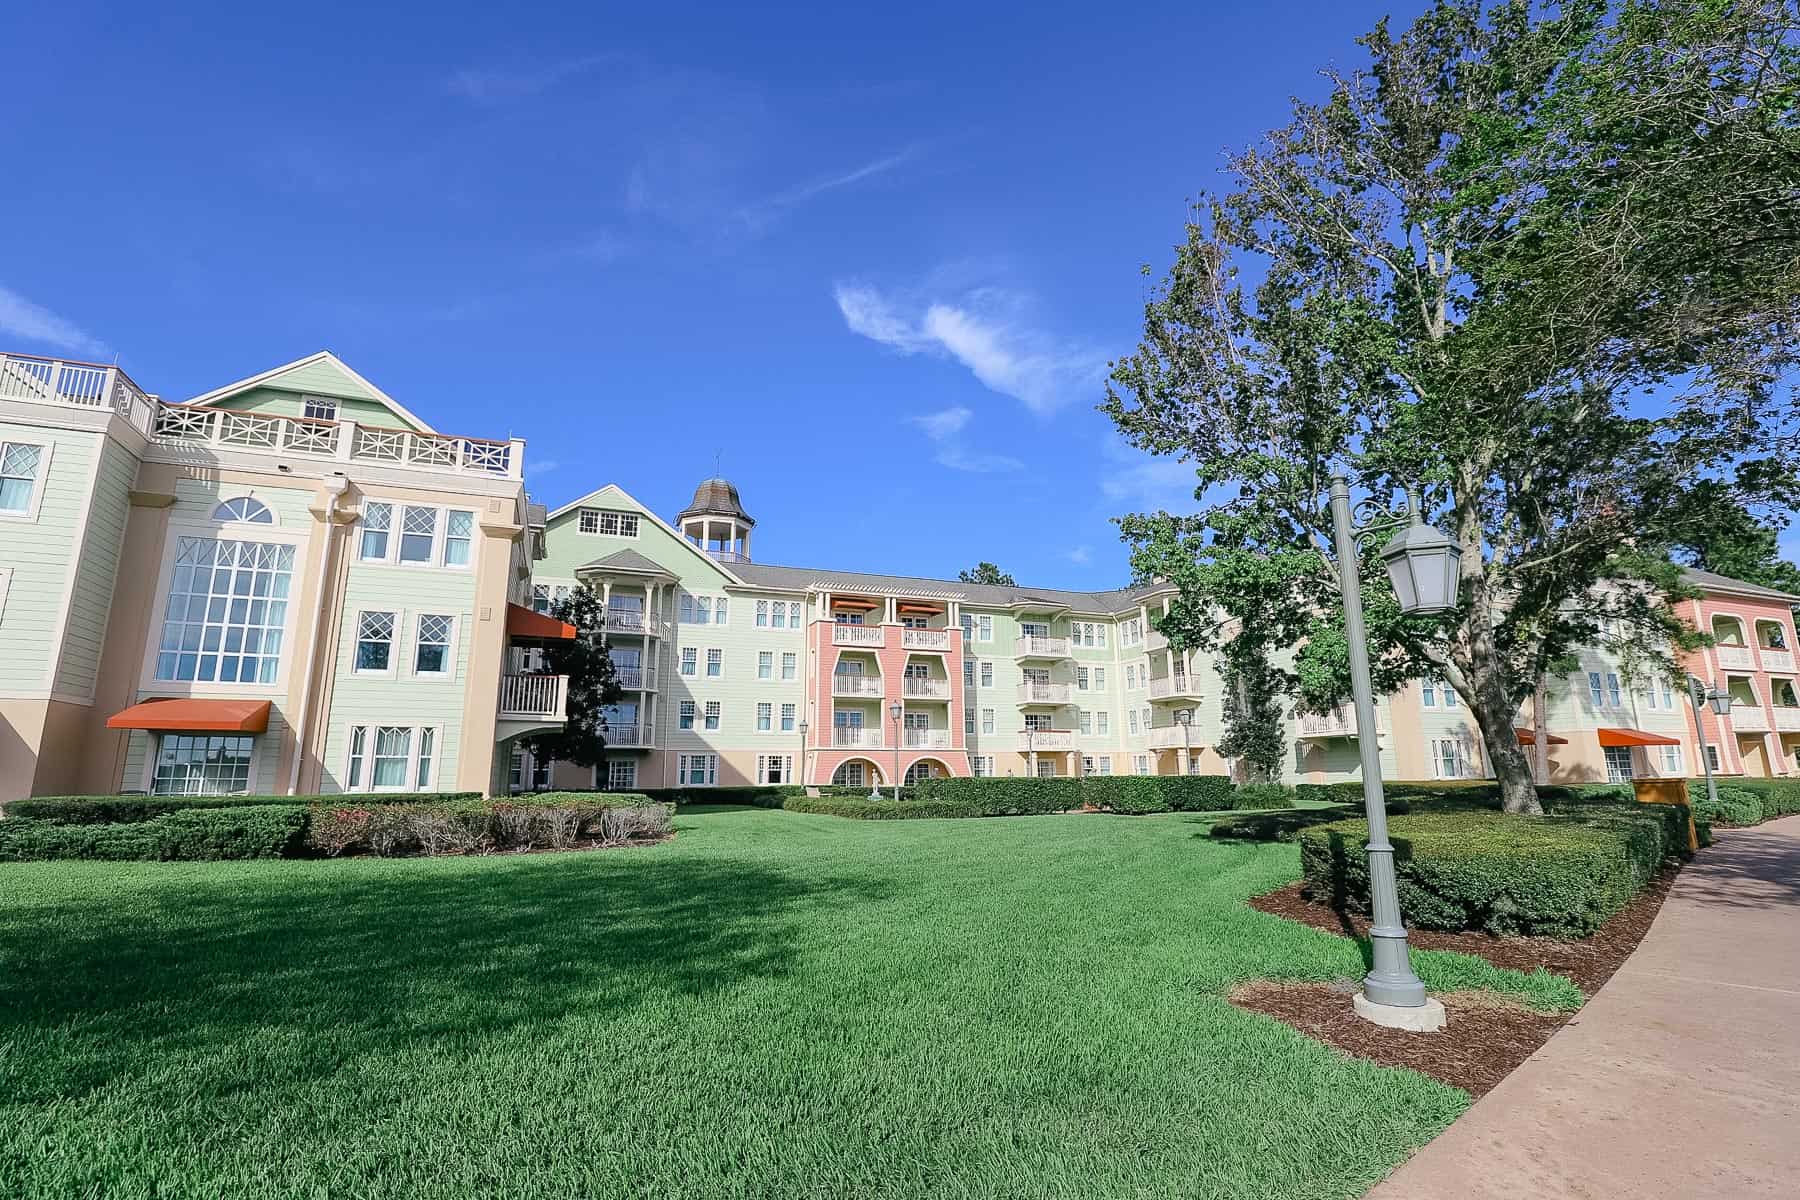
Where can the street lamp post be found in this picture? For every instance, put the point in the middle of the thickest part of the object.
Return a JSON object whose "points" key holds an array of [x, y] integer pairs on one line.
{"points": [[1720, 702], [1185, 718], [803, 752], [1422, 565], [895, 710], [1031, 751]]}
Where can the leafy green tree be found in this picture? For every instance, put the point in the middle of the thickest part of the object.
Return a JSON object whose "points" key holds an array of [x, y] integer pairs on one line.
{"points": [[1251, 705], [987, 572], [593, 682], [1543, 265], [1728, 539]]}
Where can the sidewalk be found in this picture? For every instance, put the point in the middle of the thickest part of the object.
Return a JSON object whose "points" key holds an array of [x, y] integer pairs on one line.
{"points": [[1681, 1078]]}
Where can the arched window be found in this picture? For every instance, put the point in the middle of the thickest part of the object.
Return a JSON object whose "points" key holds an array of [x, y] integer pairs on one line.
{"points": [[922, 770], [849, 775], [244, 508]]}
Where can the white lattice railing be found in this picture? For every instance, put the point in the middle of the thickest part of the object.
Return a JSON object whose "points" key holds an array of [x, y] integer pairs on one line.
{"points": [[925, 689], [845, 684], [348, 440], [1734, 656], [1044, 693], [925, 739], [77, 384], [1041, 647], [1164, 687], [534, 696], [1776, 660], [1042, 740], [856, 635], [626, 735], [925, 639], [862, 739]]}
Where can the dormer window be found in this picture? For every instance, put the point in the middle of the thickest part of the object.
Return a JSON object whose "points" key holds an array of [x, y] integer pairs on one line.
{"points": [[608, 522], [320, 408], [244, 508]]}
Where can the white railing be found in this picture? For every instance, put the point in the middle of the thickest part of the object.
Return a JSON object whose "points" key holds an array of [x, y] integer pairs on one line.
{"points": [[1734, 656], [76, 384], [626, 735], [862, 739], [1776, 660], [925, 639], [856, 635], [1154, 641], [345, 440], [1041, 647], [1169, 686], [1339, 722], [925, 739], [1169, 737], [1787, 720], [1043, 740], [1749, 718], [845, 684], [925, 689], [534, 696], [1044, 693], [637, 678], [728, 556], [634, 620]]}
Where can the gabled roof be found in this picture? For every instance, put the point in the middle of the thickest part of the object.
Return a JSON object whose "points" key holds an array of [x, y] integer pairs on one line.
{"points": [[628, 561], [619, 493], [984, 595], [1708, 581], [348, 385]]}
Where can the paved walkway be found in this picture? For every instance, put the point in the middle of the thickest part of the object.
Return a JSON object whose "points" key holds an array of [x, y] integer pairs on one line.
{"points": [[1680, 1078]]}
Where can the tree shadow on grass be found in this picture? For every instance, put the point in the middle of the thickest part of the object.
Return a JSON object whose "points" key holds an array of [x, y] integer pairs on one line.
{"points": [[374, 958]]}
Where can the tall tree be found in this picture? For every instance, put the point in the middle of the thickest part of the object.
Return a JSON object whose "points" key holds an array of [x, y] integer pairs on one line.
{"points": [[593, 682], [1728, 539], [1543, 264], [987, 572]]}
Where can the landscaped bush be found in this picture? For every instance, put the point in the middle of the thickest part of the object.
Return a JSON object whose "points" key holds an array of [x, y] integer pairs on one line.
{"points": [[1252, 796], [960, 796], [1736, 806], [251, 831], [72, 810], [546, 820], [1560, 876]]}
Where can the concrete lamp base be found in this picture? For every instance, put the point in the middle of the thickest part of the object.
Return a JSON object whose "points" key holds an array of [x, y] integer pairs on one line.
{"points": [[1424, 1018]]}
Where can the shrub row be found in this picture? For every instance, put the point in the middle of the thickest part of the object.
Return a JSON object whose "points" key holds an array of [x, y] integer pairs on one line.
{"points": [[1745, 801], [1562, 875], [264, 831], [113, 809]]}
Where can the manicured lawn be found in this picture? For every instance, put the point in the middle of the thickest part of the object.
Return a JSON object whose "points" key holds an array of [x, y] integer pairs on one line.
{"points": [[771, 1005]]}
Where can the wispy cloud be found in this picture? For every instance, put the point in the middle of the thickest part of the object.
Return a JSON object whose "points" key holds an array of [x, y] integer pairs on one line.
{"points": [[22, 319], [1081, 556], [541, 466], [1146, 482], [945, 429], [982, 331], [760, 215], [490, 85]]}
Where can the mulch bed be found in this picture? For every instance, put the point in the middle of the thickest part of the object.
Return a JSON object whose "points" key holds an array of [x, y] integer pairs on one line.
{"points": [[1486, 1036]]}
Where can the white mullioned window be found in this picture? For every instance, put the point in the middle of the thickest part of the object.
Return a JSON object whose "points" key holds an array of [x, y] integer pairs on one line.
{"points": [[715, 663], [416, 535], [765, 716], [774, 768], [1103, 722], [1140, 764], [713, 713], [686, 714], [690, 658], [244, 508], [1084, 721], [319, 408], [226, 612], [22, 465], [607, 522], [1131, 721], [545, 596], [390, 758], [778, 618], [765, 664], [621, 775], [984, 627], [432, 642], [788, 713], [374, 643], [1449, 759], [762, 613], [987, 720], [697, 770], [1081, 679], [981, 765], [968, 722], [789, 664], [1671, 760], [202, 765], [987, 674]]}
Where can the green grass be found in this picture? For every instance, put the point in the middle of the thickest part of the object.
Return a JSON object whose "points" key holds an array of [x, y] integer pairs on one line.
{"points": [[771, 1005]]}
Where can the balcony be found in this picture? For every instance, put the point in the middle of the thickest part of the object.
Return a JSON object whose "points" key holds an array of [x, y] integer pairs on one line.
{"points": [[869, 636], [1154, 642], [867, 686], [1041, 647], [925, 739], [1787, 720], [1734, 657], [1044, 693], [75, 385], [851, 738], [1340, 722], [925, 689], [342, 441], [1169, 737], [1781, 661], [1173, 687], [626, 737], [1046, 741], [635, 622], [925, 639], [636, 679], [534, 697], [1749, 718]]}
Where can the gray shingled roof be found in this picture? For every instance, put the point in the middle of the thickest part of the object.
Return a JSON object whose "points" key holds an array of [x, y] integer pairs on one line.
{"points": [[983, 594], [626, 560], [715, 497], [1707, 579]]}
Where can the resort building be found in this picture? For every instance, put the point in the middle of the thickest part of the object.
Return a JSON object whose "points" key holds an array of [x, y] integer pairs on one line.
{"points": [[293, 584]]}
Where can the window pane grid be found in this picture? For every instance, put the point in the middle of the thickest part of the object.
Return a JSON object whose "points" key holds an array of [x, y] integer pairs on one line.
{"points": [[201, 766], [226, 612]]}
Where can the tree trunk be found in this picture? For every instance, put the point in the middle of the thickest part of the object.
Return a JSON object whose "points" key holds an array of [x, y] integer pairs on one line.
{"points": [[1495, 714]]}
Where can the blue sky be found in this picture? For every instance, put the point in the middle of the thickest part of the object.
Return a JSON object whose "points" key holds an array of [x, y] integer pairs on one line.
{"points": [[875, 259]]}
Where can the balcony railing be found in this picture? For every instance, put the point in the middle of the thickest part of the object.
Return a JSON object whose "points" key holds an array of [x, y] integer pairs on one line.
{"points": [[1045, 740], [925, 689], [925, 639], [1776, 660], [634, 621], [848, 737], [1169, 737], [856, 635], [1734, 656], [636, 678], [1170, 687], [925, 739], [1041, 647], [75, 384], [346, 441], [1339, 722], [626, 735], [856, 685], [1044, 693], [1787, 720], [534, 697], [1749, 718]]}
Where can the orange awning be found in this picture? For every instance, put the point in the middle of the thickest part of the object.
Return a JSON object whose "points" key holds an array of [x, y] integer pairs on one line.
{"points": [[927, 609], [195, 716], [522, 622], [1526, 738], [1635, 737], [855, 603]]}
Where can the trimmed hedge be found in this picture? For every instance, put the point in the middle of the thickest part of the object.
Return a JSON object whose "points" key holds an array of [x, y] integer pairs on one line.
{"points": [[1559, 876], [251, 831], [549, 820], [1744, 801], [72, 810], [1276, 826]]}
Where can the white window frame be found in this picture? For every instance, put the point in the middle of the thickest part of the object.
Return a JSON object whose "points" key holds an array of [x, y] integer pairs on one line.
{"points": [[765, 666], [709, 765], [1615, 774], [688, 664], [715, 662], [712, 716], [621, 775], [765, 716], [788, 717], [790, 664], [153, 752], [455, 628], [243, 500], [35, 502], [416, 735], [1671, 760], [319, 408], [687, 715], [398, 616], [440, 529], [987, 721], [621, 518], [765, 777], [762, 614]]}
